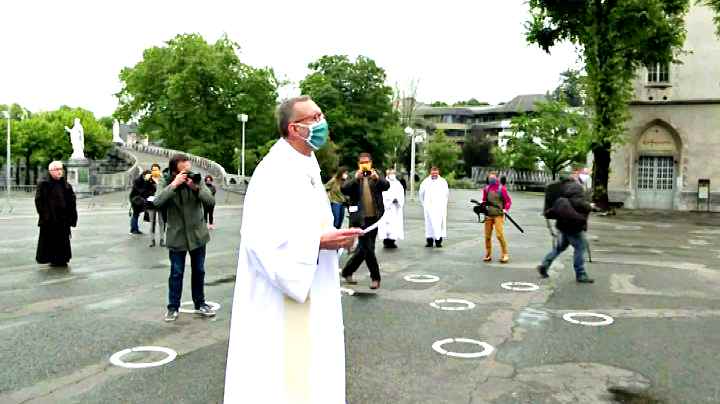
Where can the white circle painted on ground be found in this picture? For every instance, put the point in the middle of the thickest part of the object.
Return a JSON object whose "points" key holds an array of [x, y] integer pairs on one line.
{"points": [[421, 278], [439, 304], [213, 305], [605, 319], [520, 286], [487, 349], [116, 359]]}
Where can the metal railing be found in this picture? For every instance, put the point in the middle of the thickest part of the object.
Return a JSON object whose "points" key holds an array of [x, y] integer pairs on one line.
{"points": [[517, 180]]}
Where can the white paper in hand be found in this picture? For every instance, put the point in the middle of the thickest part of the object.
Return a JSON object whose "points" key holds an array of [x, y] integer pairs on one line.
{"points": [[371, 228], [150, 198]]}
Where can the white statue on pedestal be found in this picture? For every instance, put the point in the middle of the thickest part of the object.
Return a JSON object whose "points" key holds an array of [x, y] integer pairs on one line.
{"points": [[116, 133], [77, 138]]}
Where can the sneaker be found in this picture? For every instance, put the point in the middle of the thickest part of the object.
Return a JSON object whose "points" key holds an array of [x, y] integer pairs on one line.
{"points": [[438, 243], [205, 311], [349, 280], [136, 232], [171, 315], [429, 242], [542, 271], [583, 278], [152, 243]]}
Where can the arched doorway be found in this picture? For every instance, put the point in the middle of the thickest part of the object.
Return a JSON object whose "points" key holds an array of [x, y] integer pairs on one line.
{"points": [[657, 151]]}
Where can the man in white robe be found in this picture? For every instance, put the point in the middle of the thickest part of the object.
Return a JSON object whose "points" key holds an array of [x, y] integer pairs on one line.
{"points": [[391, 224], [286, 336], [434, 195]]}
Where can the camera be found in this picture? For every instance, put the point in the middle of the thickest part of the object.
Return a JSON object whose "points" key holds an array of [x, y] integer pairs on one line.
{"points": [[366, 173], [195, 177]]}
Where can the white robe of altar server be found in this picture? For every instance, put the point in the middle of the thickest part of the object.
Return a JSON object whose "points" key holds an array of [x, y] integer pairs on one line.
{"points": [[434, 199], [286, 333], [391, 224]]}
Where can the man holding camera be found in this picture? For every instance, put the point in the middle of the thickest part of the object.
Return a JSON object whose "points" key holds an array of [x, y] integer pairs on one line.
{"points": [[364, 193], [183, 198]]}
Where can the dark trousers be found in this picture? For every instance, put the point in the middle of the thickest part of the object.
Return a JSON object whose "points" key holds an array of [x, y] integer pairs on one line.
{"points": [[209, 215], [134, 221], [175, 283], [338, 211], [365, 252]]}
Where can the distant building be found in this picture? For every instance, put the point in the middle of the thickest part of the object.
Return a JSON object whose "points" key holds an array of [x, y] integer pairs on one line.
{"points": [[489, 121], [673, 137]]}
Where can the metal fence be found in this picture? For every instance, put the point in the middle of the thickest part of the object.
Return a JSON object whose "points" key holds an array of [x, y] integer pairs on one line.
{"points": [[516, 180]]}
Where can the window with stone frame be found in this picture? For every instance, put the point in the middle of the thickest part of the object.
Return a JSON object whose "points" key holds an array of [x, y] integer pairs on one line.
{"points": [[658, 73]]}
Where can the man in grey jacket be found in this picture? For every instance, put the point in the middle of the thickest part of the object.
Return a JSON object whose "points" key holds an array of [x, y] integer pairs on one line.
{"points": [[183, 199]]}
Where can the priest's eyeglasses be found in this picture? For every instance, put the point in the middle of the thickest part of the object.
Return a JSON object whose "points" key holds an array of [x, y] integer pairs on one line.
{"points": [[316, 117]]}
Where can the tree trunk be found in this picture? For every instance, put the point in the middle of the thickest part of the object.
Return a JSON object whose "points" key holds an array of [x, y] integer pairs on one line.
{"points": [[27, 169]]}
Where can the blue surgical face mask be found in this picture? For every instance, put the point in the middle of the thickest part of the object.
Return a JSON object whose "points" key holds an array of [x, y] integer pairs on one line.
{"points": [[317, 134], [492, 181]]}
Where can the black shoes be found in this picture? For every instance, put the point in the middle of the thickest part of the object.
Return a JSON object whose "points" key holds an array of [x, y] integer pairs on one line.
{"points": [[584, 279], [438, 242], [389, 243], [428, 242], [543, 271]]}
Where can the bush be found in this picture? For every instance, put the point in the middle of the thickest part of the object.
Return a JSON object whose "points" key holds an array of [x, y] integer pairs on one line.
{"points": [[460, 183]]}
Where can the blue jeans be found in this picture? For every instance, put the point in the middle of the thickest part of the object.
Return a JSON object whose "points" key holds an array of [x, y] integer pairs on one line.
{"points": [[134, 225], [197, 282], [338, 211], [577, 240]]}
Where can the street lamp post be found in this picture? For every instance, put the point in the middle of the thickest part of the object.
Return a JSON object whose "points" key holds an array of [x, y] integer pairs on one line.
{"points": [[410, 132], [7, 158], [243, 118]]}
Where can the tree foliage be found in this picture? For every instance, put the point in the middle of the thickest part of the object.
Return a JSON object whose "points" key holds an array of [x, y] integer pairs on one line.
{"points": [[357, 104], [553, 135], [39, 138], [189, 93], [715, 6], [616, 37], [442, 152], [472, 102], [476, 152], [439, 104], [572, 89]]}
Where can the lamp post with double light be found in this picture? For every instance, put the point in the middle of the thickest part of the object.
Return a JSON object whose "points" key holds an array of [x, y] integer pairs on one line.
{"points": [[243, 118]]}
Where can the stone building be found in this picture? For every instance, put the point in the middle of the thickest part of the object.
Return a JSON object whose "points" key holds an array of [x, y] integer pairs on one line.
{"points": [[672, 145]]}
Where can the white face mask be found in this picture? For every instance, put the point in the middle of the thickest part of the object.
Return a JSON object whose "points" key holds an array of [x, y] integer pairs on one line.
{"points": [[391, 177]]}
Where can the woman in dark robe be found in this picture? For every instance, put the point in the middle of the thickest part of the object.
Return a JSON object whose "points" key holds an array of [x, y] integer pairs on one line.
{"points": [[55, 203]]}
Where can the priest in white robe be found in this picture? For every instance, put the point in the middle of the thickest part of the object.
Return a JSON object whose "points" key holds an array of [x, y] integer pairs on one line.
{"points": [[391, 224], [434, 195], [286, 333]]}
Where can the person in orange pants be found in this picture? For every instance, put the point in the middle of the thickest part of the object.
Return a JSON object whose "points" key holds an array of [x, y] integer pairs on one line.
{"points": [[498, 202]]}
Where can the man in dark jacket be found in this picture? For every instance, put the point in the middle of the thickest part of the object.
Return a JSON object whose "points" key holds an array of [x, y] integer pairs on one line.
{"points": [[187, 233], [571, 211], [56, 208], [364, 192], [143, 188]]}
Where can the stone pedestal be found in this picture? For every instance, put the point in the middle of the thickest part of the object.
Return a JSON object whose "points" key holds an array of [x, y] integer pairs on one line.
{"points": [[77, 173]]}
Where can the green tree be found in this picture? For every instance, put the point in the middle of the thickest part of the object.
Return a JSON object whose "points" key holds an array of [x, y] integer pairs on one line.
{"points": [[42, 138], [476, 152], [189, 93], [519, 157], [616, 37], [554, 135], [472, 102], [439, 104], [715, 6], [572, 89], [356, 102], [442, 152]]}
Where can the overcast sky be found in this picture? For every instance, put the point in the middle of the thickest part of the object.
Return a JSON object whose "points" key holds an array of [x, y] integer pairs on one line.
{"points": [[57, 52]]}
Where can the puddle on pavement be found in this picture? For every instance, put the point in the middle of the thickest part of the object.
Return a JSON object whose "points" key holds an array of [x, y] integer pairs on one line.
{"points": [[623, 396]]}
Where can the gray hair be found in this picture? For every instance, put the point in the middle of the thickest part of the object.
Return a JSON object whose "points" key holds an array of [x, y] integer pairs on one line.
{"points": [[286, 113], [55, 164]]}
